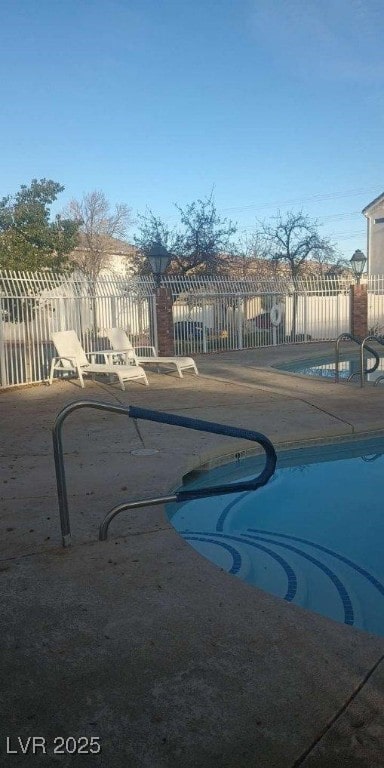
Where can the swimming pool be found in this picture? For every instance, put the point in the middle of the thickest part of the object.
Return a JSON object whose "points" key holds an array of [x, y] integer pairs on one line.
{"points": [[324, 367], [313, 536]]}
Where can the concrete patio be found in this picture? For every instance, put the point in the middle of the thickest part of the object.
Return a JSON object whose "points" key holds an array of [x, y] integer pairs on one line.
{"points": [[140, 641]]}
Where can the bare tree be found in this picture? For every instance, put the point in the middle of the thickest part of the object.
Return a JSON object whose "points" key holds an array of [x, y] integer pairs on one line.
{"points": [[98, 223], [250, 259], [333, 264], [294, 239]]}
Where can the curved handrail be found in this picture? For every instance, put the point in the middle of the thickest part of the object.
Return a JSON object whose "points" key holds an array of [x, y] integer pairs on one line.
{"points": [[364, 345], [358, 341], [165, 418]]}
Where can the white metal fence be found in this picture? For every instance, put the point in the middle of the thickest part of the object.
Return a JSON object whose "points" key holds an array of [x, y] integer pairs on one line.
{"points": [[33, 306], [376, 305], [212, 314], [209, 314]]}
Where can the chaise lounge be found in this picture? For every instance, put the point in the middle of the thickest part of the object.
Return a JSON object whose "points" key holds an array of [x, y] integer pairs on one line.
{"points": [[122, 345], [72, 358]]}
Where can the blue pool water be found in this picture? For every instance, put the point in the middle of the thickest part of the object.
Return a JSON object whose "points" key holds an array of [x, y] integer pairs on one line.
{"points": [[313, 536], [324, 367]]}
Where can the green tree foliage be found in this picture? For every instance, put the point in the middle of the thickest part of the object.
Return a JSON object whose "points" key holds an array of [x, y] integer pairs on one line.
{"points": [[200, 244], [29, 240]]}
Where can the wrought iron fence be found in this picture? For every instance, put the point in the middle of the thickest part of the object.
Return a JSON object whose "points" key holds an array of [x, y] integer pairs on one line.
{"points": [[214, 314], [32, 307], [209, 314]]}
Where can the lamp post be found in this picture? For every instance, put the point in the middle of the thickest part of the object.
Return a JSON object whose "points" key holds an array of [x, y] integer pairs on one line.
{"points": [[162, 315], [159, 259], [358, 262], [359, 298]]}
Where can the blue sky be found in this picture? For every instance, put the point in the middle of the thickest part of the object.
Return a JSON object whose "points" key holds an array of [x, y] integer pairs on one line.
{"points": [[276, 104]]}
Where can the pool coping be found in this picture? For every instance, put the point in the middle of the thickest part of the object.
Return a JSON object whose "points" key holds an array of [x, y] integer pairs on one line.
{"points": [[221, 459]]}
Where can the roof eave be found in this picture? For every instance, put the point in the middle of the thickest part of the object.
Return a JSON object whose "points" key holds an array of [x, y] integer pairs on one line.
{"points": [[374, 202]]}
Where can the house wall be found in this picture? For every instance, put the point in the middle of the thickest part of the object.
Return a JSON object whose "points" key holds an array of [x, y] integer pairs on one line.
{"points": [[119, 265], [375, 240]]}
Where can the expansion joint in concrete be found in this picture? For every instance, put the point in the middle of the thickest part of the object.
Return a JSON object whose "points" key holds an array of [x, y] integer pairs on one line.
{"points": [[338, 714], [328, 413]]}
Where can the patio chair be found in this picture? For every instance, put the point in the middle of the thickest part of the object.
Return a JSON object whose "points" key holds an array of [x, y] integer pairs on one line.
{"points": [[121, 344], [71, 357]]}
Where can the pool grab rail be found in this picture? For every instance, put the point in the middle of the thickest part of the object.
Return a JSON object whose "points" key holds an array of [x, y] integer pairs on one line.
{"points": [[165, 418], [362, 344]]}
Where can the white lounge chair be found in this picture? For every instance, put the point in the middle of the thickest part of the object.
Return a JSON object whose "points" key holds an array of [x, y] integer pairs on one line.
{"points": [[121, 344], [71, 357]]}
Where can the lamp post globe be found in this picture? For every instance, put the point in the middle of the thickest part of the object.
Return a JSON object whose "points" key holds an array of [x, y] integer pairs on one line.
{"points": [[358, 262], [159, 258]]}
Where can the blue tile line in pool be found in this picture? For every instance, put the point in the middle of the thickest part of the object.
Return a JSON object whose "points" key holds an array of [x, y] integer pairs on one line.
{"points": [[227, 509], [331, 492], [236, 557], [349, 617], [375, 582], [291, 576], [290, 573]]}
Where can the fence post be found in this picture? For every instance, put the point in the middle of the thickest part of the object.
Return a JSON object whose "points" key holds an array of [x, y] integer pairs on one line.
{"points": [[305, 314], [240, 322], [204, 317], [359, 311], [114, 321], [3, 364]]}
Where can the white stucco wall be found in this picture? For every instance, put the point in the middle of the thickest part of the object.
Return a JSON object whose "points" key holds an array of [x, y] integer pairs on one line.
{"points": [[375, 240]]}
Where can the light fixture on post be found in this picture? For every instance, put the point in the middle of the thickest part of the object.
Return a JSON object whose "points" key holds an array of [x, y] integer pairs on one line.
{"points": [[358, 262], [159, 259]]}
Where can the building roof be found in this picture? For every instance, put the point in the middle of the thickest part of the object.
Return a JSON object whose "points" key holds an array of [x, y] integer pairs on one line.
{"points": [[373, 204], [111, 245]]}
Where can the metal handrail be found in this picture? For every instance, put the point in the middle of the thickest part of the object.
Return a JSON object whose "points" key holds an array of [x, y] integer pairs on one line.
{"points": [[358, 341], [103, 528], [363, 344], [165, 418]]}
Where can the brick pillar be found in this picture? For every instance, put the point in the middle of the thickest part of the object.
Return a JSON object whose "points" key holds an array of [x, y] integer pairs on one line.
{"points": [[359, 311], [164, 321]]}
